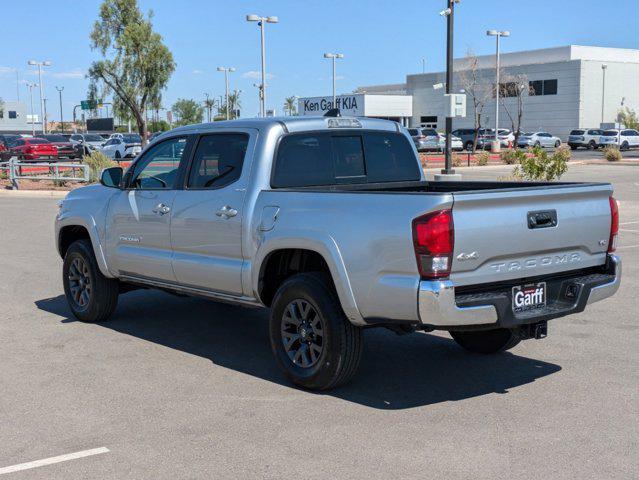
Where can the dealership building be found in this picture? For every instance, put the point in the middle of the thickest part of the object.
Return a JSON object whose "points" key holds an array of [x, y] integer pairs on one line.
{"points": [[568, 87]]}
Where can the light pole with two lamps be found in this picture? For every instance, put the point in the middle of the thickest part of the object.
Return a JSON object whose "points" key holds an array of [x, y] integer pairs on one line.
{"points": [[334, 57], [261, 21], [497, 34], [226, 71], [39, 64]]}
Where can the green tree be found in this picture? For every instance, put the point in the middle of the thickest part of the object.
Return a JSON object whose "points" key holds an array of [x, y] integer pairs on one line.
{"points": [[135, 65], [290, 105], [209, 105], [629, 118], [235, 105], [187, 111]]}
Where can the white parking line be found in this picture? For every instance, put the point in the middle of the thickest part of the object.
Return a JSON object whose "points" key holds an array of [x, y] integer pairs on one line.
{"points": [[628, 223], [52, 460]]}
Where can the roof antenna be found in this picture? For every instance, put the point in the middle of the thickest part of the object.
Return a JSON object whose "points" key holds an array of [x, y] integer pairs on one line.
{"points": [[333, 112]]}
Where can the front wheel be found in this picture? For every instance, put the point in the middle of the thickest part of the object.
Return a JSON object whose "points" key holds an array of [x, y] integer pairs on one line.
{"points": [[92, 297], [487, 341], [557, 144], [313, 342]]}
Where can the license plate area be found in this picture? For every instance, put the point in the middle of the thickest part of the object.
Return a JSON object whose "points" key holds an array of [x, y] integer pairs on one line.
{"points": [[526, 298]]}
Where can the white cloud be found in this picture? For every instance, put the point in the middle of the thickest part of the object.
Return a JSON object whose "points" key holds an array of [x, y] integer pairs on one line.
{"points": [[197, 72], [6, 70], [75, 73], [257, 75]]}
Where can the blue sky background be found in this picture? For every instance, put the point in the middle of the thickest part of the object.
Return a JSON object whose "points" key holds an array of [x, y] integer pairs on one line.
{"points": [[382, 40]]}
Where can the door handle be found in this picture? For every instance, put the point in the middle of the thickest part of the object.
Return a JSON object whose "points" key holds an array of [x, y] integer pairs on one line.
{"points": [[226, 212], [161, 209]]}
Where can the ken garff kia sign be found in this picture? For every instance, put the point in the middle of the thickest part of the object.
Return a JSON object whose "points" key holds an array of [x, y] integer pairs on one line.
{"points": [[351, 105]]}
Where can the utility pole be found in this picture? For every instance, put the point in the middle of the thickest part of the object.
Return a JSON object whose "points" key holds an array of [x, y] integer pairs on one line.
{"points": [[59, 89]]}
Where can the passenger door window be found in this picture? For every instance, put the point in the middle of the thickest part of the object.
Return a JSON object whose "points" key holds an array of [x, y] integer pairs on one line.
{"points": [[158, 168], [218, 160]]}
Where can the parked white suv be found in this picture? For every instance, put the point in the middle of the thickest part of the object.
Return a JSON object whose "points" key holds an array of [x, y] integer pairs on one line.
{"points": [[625, 140], [587, 138]]}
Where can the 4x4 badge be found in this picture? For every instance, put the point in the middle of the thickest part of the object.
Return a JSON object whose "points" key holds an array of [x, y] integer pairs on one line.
{"points": [[462, 257]]}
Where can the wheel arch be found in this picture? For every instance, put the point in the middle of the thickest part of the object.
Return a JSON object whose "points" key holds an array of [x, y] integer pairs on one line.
{"points": [[286, 257], [74, 229]]}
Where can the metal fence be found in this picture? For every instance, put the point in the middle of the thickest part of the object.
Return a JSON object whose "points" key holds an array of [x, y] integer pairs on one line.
{"points": [[54, 171]]}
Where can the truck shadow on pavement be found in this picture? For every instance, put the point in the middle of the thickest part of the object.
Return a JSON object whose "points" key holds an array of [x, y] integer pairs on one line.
{"points": [[397, 372]]}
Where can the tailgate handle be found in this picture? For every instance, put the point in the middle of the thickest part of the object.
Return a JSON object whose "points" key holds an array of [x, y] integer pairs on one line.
{"points": [[542, 219]]}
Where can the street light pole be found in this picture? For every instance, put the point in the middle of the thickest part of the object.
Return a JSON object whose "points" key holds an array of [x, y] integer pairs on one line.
{"points": [[226, 71], [261, 21], [334, 57], [497, 34], [39, 64], [30, 86], [59, 89], [208, 108], [604, 67]]}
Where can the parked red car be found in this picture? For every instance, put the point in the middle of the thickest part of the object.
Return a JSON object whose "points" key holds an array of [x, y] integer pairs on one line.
{"points": [[64, 146], [34, 149]]}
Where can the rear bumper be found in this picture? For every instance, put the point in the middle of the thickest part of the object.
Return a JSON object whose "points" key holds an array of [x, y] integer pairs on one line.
{"points": [[440, 307]]}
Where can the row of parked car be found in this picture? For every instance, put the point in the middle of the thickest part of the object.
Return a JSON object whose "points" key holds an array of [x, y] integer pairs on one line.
{"points": [[593, 138], [54, 146], [463, 139]]}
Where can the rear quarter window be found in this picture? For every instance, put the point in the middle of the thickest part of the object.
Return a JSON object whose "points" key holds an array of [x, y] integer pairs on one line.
{"points": [[327, 158], [577, 132]]}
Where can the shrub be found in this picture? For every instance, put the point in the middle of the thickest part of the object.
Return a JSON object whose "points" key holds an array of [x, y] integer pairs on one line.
{"points": [[541, 166], [483, 158], [456, 160], [97, 161], [512, 157], [612, 154]]}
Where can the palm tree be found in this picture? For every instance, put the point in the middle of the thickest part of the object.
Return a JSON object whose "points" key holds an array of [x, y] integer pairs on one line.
{"points": [[235, 104], [290, 105]]}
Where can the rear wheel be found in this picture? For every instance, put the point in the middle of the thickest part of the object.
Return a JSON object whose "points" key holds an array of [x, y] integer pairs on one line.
{"points": [[469, 146], [92, 297], [313, 342], [487, 341], [592, 145], [557, 143], [625, 146]]}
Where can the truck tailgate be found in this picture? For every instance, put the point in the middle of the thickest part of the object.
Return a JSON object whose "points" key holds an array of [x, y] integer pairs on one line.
{"points": [[519, 233]]}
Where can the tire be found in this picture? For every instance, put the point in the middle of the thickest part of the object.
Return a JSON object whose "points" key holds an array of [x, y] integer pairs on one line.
{"points": [[537, 144], [306, 311], [469, 146], [557, 144], [592, 145], [80, 269], [117, 155], [487, 341], [572, 147], [625, 146]]}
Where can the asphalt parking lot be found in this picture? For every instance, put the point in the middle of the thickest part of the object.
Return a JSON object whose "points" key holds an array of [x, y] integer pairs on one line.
{"points": [[184, 388]]}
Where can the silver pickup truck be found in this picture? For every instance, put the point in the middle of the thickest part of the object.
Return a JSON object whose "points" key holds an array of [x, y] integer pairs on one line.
{"points": [[331, 224]]}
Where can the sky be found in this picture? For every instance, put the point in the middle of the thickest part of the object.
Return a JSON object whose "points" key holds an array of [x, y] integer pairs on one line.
{"points": [[382, 41]]}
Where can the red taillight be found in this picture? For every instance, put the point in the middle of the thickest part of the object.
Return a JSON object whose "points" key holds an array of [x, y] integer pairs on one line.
{"points": [[434, 238], [29, 150], [614, 225]]}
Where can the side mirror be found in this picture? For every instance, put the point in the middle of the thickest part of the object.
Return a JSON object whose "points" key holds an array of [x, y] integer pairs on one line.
{"points": [[111, 177]]}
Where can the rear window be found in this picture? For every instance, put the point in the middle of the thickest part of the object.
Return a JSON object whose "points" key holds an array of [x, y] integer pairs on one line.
{"points": [[577, 132], [323, 158], [609, 133]]}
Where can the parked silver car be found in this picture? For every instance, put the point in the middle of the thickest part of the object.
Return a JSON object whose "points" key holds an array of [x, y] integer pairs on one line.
{"points": [[430, 139], [539, 139]]}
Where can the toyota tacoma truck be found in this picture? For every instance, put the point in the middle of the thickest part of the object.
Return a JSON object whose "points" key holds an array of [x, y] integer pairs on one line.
{"points": [[331, 224]]}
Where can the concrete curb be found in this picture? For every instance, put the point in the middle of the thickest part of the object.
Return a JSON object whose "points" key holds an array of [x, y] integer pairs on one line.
{"points": [[34, 193]]}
